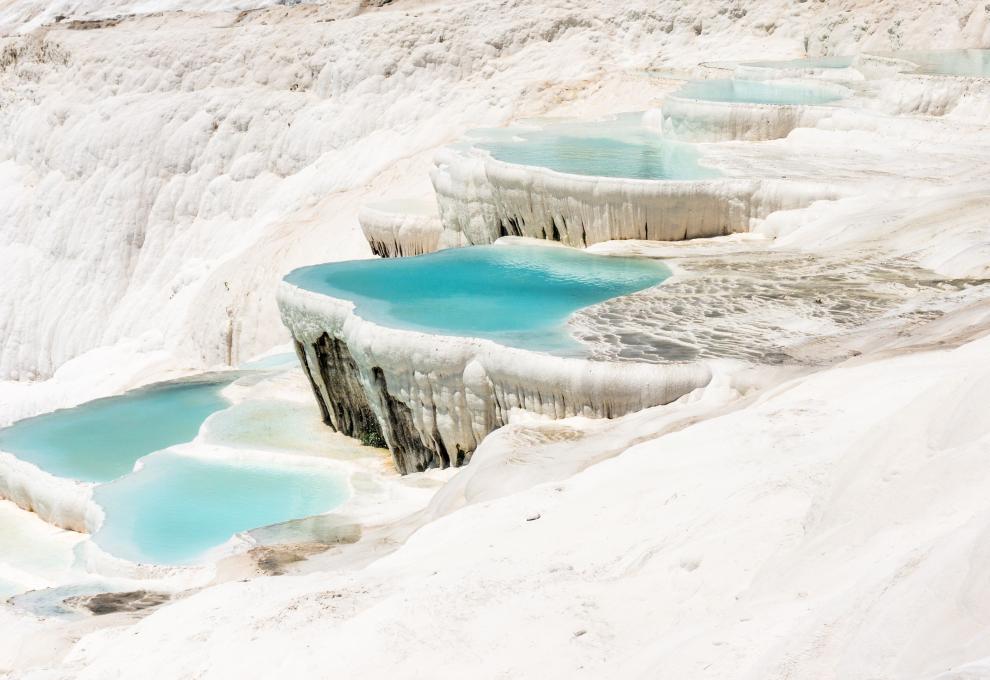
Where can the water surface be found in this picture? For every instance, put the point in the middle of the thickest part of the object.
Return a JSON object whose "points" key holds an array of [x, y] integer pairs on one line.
{"points": [[622, 147], [176, 507], [517, 295], [974, 63], [101, 440], [410, 206]]}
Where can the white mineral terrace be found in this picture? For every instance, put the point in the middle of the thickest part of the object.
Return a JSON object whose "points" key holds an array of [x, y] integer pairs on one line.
{"points": [[482, 199], [700, 120], [436, 397], [401, 228]]}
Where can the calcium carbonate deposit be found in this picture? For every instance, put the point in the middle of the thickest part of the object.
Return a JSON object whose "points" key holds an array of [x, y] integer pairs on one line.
{"points": [[495, 338]]}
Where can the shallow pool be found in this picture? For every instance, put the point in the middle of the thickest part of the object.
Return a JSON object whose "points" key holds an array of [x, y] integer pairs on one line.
{"points": [[101, 440], [622, 147], [516, 295], [756, 92], [176, 507], [971, 63]]}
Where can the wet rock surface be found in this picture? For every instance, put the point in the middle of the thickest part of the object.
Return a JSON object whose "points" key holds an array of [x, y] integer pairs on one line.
{"points": [[113, 603], [345, 405]]}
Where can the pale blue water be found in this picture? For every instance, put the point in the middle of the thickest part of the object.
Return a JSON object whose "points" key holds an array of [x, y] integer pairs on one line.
{"points": [[621, 147], [805, 64], [756, 92], [519, 296], [101, 440], [177, 507], [972, 62]]}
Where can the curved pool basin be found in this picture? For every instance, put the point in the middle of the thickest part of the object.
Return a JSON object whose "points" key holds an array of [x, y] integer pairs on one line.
{"points": [[516, 295], [972, 63], [620, 147]]}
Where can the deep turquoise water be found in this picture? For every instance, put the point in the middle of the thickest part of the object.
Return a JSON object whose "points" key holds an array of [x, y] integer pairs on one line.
{"points": [[756, 92], [517, 295], [101, 440], [973, 62], [810, 63], [176, 507], [622, 147]]}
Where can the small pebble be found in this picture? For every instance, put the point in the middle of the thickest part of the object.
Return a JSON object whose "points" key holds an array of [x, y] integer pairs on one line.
{"points": [[532, 517]]}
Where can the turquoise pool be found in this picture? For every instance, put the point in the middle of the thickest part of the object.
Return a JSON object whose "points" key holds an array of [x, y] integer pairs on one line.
{"points": [[516, 295], [621, 147], [971, 62], [176, 507], [756, 92], [102, 439]]}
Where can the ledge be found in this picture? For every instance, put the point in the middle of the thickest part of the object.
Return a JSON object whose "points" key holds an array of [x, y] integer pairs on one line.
{"points": [[482, 199]]}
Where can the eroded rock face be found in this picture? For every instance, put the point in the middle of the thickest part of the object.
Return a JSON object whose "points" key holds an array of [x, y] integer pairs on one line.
{"points": [[346, 407]]}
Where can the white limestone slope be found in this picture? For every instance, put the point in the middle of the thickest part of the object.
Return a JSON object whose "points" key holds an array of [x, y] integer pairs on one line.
{"points": [[33, 554]]}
